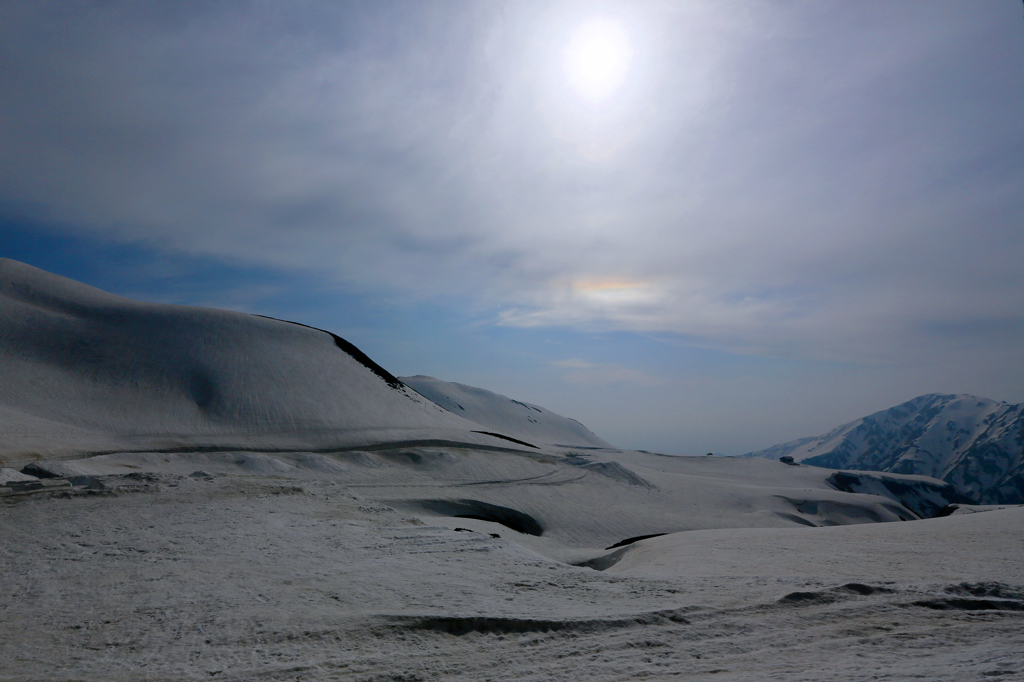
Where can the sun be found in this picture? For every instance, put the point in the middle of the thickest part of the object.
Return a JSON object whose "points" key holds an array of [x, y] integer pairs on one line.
{"points": [[597, 59]]}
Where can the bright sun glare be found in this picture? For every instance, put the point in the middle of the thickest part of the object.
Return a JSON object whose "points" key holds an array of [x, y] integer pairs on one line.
{"points": [[597, 59]]}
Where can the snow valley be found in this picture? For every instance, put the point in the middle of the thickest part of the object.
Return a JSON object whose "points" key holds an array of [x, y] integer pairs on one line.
{"points": [[201, 494]]}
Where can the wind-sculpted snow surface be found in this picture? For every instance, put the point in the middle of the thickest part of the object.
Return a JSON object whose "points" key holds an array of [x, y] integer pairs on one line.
{"points": [[530, 422], [974, 443], [86, 371], [566, 506], [906, 551], [426, 564]]}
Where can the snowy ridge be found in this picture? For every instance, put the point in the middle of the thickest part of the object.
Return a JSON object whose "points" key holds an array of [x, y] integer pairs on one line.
{"points": [[87, 371], [974, 443], [526, 421]]}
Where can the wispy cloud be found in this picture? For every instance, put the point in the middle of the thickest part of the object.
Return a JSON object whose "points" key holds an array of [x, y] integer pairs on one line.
{"points": [[586, 373]]}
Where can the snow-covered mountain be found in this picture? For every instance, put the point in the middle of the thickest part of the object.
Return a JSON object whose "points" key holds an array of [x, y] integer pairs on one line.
{"points": [[974, 443], [268, 492], [529, 422], [83, 371]]}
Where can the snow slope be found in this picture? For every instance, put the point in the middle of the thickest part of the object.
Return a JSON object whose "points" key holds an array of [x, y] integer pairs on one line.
{"points": [[974, 443], [895, 551], [529, 422], [86, 371]]}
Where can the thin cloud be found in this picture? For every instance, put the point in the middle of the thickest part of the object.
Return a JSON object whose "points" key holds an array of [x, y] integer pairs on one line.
{"points": [[585, 373], [831, 180]]}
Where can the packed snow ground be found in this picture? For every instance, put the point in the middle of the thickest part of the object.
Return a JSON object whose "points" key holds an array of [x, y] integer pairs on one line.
{"points": [[291, 576], [567, 506]]}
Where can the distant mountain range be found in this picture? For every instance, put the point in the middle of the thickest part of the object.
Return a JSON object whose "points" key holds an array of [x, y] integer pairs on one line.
{"points": [[976, 444]]}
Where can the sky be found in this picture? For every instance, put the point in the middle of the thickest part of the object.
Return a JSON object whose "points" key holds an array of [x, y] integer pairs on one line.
{"points": [[695, 226]]}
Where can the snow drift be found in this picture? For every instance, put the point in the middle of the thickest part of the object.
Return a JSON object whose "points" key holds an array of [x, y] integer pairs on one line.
{"points": [[530, 422]]}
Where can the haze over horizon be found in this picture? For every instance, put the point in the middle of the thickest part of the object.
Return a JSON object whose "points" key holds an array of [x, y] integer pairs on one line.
{"points": [[692, 226]]}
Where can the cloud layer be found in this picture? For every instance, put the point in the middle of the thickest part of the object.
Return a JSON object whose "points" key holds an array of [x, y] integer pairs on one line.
{"points": [[830, 180]]}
